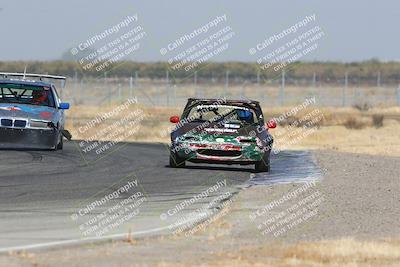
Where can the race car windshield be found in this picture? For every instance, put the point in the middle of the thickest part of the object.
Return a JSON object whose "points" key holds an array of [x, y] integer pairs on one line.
{"points": [[225, 113], [30, 95]]}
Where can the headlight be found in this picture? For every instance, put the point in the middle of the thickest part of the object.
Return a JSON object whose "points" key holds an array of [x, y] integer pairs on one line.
{"points": [[41, 124]]}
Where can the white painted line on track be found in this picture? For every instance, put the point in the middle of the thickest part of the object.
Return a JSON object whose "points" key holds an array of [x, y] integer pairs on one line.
{"points": [[89, 239]]}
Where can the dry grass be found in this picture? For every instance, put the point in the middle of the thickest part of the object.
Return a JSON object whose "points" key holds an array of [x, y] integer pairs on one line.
{"points": [[336, 253], [343, 129], [339, 253], [154, 128], [374, 141], [346, 251]]}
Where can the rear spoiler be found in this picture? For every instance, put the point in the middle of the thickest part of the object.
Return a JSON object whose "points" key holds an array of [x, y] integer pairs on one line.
{"points": [[32, 75]]}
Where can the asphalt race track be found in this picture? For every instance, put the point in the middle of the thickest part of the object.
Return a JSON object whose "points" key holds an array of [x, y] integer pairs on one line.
{"points": [[43, 193]]}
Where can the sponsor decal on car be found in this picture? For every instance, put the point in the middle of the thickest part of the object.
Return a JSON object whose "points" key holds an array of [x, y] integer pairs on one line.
{"points": [[233, 126], [45, 115], [220, 130], [10, 108]]}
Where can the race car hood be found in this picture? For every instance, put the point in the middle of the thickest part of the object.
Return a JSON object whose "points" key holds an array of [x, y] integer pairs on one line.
{"points": [[12, 110], [214, 128], [215, 132]]}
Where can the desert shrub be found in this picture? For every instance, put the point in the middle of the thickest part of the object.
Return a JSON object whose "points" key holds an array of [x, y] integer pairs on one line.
{"points": [[377, 120], [300, 121], [290, 121], [354, 123], [362, 106]]}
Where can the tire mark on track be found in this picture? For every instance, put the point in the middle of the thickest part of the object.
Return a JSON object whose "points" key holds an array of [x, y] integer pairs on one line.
{"points": [[36, 156]]}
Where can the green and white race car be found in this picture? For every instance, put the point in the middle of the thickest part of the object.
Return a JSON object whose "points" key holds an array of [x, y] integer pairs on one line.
{"points": [[221, 131]]}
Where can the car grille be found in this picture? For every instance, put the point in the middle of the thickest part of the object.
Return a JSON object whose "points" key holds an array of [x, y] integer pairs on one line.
{"points": [[6, 123], [219, 153], [20, 123], [13, 123]]}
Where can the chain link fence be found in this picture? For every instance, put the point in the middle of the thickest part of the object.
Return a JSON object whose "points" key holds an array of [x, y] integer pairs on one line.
{"points": [[279, 92]]}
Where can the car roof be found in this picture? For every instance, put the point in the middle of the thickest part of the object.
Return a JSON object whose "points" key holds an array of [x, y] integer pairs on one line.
{"points": [[247, 101], [25, 82], [223, 101]]}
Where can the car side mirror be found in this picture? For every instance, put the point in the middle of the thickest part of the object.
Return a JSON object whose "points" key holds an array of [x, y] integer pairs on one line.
{"points": [[174, 119], [271, 124], [63, 106]]}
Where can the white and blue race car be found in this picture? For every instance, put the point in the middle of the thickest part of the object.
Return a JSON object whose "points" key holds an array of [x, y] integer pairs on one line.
{"points": [[31, 112]]}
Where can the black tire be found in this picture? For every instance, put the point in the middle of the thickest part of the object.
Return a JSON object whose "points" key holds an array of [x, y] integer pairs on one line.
{"points": [[264, 164], [175, 161], [60, 144]]}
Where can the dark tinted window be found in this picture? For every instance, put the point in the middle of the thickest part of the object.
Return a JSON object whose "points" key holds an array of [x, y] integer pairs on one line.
{"points": [[26, 94]]}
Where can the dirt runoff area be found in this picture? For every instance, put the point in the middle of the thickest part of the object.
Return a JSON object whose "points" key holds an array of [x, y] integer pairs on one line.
{"points": [[349, 218]]}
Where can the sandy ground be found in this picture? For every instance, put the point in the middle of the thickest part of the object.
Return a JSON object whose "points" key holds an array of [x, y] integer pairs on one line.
{"points": [[331, 133], [349, 218], [372, 141]]}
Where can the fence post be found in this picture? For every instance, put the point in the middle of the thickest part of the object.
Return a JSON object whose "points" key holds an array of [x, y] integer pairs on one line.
{"points": [[282, 91], [130, 87], [62, 89], [81, 86], [196, 92], [174, 95], [242, 90], [398, 95], [314, 80], [346, 84], [378, 79], [387, 98], [74, 94], [136, 77], [167, 87], [109, 89], [226, 83], [119, 93]]}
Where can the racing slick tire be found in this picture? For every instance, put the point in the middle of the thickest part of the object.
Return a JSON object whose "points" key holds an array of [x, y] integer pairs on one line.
{"points": [[175, 161], [264, 164], [60, 144]]}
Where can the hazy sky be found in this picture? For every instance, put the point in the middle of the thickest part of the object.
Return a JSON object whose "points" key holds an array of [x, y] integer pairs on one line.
{"points": [[354, 29]]}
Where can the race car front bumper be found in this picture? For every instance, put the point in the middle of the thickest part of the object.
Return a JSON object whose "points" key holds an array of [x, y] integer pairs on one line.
{"points": [[14, 138], [220, 153]]}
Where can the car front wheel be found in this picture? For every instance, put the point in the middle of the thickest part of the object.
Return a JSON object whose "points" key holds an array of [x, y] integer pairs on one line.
{"points": [[60, 144], [264, 164], [175, 161]]}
